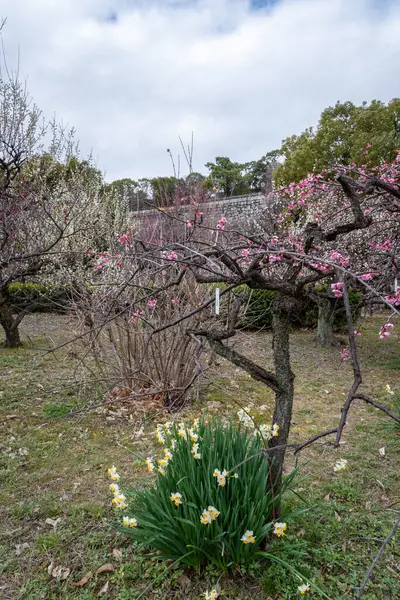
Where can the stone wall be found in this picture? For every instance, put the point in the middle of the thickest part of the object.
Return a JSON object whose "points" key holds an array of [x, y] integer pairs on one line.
{"points": [[238, 210]]}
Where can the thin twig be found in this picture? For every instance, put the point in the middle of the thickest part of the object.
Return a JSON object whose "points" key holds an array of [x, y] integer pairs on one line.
{"points": [[377, 558]]}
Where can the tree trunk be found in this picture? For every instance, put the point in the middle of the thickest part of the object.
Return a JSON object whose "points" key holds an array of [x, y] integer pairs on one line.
{"points": [[9, 323], [326, 315], [281, 311]]}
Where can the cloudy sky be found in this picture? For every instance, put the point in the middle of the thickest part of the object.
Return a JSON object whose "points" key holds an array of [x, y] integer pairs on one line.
{"points": [[133, 75]]}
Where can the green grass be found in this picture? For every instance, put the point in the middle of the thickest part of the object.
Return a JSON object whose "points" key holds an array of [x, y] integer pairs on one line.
{"points": [[63, 474]]}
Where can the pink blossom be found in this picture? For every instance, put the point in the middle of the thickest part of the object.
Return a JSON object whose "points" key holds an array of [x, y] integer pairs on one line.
{"points": [[175, 301], [345, 354], [198, 213], [275, 257], [221, 223], [172, 255], [151, 303], [321, 267], [245, 252], [124, 239], [337, 289], [189, 224], [338, 258], [386, 246], [366, 277], [395, 300], [357, 333], [136, 315], [385, 330]]}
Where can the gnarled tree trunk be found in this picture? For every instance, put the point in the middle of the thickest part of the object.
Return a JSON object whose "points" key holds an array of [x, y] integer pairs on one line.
{"points": [[326, 314], [281, 311], [9, 323]]}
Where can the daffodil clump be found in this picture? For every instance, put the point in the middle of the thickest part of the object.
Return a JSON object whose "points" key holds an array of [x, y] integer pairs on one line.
{"points": [[208, 503]]}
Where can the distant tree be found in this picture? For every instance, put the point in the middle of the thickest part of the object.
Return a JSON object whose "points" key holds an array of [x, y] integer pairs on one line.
{"points": [[260, 172], [131, 192], [227, 177], [346, 134], [195, 178], [163, 190]]}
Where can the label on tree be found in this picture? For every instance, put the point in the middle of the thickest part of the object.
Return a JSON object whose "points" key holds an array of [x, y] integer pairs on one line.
{"points": [[217, 301]]}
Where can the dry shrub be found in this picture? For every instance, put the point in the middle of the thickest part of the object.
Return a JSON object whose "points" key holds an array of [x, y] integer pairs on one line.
{"points": [[126, 347]]}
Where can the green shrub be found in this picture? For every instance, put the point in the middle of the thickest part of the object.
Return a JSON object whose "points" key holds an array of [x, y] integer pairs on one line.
{"points": [[259, 311], [43, 298], [173, 525]]}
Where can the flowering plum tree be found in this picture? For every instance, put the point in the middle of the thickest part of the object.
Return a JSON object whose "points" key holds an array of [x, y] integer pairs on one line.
{"points": [[48, 202], [368, 252], [338, 229]]}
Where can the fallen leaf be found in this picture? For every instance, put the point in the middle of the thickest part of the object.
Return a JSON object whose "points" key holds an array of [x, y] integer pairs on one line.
{"points": [[53, 522], [183, 580], [83, 581], [382, 451], [19, 548], [338, 517], [104, 589], [58, 572], [107, 568], [301, 533], [117, 553]]}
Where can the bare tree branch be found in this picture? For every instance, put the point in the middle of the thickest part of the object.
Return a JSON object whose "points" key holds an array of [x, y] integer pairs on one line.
{"points": [[377, 558]]}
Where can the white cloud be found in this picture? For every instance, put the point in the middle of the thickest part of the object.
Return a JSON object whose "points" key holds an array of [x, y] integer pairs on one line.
{"points": [[241, 79]]}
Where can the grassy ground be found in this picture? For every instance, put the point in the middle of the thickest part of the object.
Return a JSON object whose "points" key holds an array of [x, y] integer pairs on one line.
{"points": [[56, 506]]}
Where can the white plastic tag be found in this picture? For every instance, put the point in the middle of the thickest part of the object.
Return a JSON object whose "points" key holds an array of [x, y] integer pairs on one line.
{"points": [[217, 301]]}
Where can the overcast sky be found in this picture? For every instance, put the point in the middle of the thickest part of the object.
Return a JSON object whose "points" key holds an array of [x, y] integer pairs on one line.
{"points": [[133, 75]]}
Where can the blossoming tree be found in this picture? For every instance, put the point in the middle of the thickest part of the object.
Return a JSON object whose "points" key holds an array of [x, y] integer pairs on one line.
{"points": [[337, 229], [48, 202], [368, 252]]}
